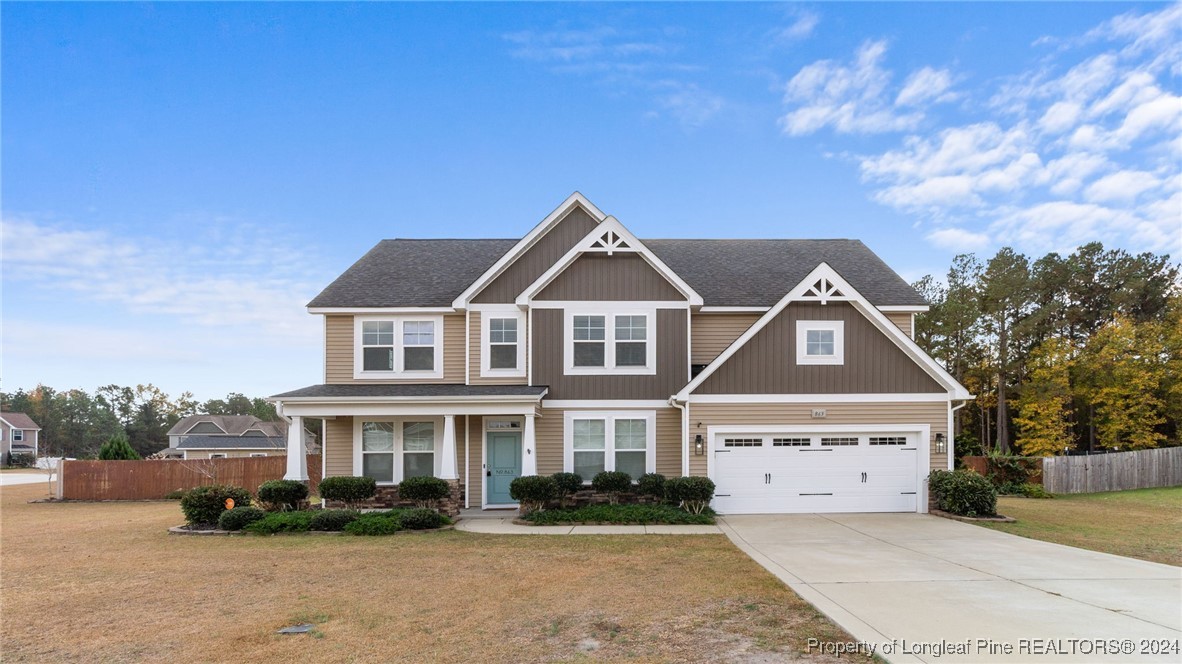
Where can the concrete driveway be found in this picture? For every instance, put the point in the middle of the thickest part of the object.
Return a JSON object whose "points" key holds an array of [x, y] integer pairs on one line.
{"points": [[941, 586], [10, 479]]}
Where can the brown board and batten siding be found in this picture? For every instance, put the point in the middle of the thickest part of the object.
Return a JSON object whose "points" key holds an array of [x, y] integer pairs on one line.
{"points": [[766, 364], [902, 320], [338, 349], [712, 333], [931, 413], [475, 334], [537, 259], [618, 277], [672, 368]]}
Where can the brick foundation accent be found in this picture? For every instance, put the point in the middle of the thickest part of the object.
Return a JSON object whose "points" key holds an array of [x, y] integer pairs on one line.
{"points": [[387, 497]]}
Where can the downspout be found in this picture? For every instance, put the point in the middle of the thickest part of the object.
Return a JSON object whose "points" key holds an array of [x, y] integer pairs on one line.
{"points": [[951, 434], [684, 434]]}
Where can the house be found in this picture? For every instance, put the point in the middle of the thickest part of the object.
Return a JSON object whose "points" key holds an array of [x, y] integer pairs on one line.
{"points": [[19, 434], [785, 370], [228, 436]]}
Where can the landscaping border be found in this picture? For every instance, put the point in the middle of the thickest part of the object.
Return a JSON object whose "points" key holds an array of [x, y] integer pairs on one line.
{"points": [[972, 519]]}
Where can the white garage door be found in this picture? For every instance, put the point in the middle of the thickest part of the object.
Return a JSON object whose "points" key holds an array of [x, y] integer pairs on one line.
{"points": [[767, 473]]}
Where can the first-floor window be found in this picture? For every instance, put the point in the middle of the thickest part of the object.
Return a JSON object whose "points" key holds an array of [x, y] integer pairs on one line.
{"points": [[18, 435], [631, 446], [418, 449], [590, 448], [217, 455], [377, 450], [622, 443]]}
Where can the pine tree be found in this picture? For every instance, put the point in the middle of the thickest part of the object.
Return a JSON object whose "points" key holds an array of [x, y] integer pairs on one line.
{"points": [[118, 449]]}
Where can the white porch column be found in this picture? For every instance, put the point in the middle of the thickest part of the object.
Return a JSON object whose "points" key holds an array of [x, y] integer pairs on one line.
{"points": [[529, 462], [297, 458], [448, 470]]}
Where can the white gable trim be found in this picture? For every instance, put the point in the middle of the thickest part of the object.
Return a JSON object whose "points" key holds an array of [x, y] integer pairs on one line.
{"points": [[905, 308], [824, 273], [623, 242], [524, 244]]}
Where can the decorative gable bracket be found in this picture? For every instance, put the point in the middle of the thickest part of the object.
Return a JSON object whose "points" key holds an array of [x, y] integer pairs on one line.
{"points": [[822, 291], [609, 243]]}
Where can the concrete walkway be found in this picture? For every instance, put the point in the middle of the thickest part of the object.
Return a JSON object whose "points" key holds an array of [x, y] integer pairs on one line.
{"points": [[502, 524], [938, 583]]}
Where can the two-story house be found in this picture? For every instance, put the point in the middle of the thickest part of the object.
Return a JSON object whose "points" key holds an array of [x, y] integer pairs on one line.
{"points": [[19, 434], [785, 370]]}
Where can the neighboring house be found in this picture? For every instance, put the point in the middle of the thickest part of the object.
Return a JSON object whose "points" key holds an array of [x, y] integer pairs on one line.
{"points": [[228, 436], [19, 434], [783, 369]]}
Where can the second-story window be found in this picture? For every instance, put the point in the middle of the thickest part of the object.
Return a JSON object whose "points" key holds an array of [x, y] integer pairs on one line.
{"points": [[589, 338], [418, 345], [398, 346], [631, 341], [377, 340], [502, 343], [610, 342]]}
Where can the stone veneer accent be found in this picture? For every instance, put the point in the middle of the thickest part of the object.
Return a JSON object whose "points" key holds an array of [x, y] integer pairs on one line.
{"points": [[387, 497]]}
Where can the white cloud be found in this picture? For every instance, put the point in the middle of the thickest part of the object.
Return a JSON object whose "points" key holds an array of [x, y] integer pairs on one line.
{"points": [[1121, 186], [688, 103], [958, 240], [924, 86], [801, 28]]}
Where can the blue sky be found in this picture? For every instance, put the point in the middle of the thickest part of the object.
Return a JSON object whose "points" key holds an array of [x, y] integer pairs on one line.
{"points": [[180, 179]]}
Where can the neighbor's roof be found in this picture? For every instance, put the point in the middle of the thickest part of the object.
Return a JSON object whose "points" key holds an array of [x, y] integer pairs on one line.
{"points": [[354, 391], [20, 421], [233, 425], [231, 443], [733, 273]]}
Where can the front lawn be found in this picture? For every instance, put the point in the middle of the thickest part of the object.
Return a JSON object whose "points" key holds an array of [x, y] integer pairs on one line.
{"points": [[1145, 523], [105, 582]]}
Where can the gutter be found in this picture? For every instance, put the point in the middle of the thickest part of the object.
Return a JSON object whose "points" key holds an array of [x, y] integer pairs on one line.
{"points": [[684, 408]]}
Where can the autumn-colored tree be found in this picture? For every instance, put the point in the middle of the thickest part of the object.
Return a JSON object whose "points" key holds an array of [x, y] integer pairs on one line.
{"points": [[1121, 372], [1044, 401]]}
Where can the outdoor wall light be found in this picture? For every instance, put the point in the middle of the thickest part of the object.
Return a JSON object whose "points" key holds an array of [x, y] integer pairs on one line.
{"points": [[699, 446], [941, 447]]}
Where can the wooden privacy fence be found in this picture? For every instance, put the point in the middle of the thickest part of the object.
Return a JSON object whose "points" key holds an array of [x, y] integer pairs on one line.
{"points": [[1117, 471], [154, 479]]}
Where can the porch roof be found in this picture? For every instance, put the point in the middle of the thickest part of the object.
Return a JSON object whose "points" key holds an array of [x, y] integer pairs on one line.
{"points": [[416, 392]]}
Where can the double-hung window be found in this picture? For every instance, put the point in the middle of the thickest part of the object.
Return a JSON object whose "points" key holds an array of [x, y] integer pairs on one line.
{"points": [[398, 347], [18, 435], [502, 341], [393, 450], [623, 441], [820, 342], [610, 342]]}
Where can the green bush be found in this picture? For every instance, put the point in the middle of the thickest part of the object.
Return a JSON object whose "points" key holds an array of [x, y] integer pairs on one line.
{"points": [[424, 491], [532, 492], [1031, 490], [349, 490], [693, 494], [613, 483], [621, 514], [332, 520], [22, 459], [239, 518], [375, 523], [283, 522], [284, 494], [175, 494], [568, 484], [118, 449], [651, 484], [963, 492], [421, 518], [203, 505]]}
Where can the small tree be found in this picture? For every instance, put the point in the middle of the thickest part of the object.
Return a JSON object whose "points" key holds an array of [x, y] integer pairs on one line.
{"points": [[1043, 419], [424, 492], [285, 494], [693, 494], [613, 483], [568, 484], [117, 448]]}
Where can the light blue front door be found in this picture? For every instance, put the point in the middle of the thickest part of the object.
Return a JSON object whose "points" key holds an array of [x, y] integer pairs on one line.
{"points": [[502, 465]]}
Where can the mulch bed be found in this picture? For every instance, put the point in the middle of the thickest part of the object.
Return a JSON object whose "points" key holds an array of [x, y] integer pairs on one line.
{"points": [[970, 519]]}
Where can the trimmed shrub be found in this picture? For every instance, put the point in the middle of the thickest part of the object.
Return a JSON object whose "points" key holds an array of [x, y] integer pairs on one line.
{"points": [[175, 494], [349, 490], [693, 494], [621, 514], [203, 505], [422, 518], [282, 522], [118, 449], [374, 523], [613, 483], [424, 491], [284, 494], [651, 484], [1035, 491], [332, 520], [568, 484], [963, 492], [532, 492], [239, 518]]}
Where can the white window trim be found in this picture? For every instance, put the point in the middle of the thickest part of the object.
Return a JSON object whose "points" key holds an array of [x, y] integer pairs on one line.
{"points": [[18, 435], [257, 454], [398, 373], [218, 455], [399, 465], [609, 367], [486, 315], [838, 329], [609, 452]]}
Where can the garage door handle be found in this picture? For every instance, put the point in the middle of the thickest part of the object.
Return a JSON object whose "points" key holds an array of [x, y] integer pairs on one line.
{"points": [[815, 449]]}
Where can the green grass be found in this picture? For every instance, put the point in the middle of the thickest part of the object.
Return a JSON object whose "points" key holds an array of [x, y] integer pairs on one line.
{"points": [[1144, 523]]}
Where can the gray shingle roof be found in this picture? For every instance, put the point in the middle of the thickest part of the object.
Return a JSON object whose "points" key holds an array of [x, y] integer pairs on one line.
{"points": [[231, 443], [231, 424], [409, 390], [734, 273], [20, 421]]}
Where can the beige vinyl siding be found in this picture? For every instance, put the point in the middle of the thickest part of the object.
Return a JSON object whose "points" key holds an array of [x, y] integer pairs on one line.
{"points": [[475, 334], [669, 442], [338, 446], [611, 278], [712, 333], [538, 258], [548, 439], [901, 320], [703, 415], [475, 460], [231, 454], [339, 337]]}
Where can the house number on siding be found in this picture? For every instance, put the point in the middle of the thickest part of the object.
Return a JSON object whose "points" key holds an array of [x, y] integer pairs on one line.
{"points": [[818, 412]]}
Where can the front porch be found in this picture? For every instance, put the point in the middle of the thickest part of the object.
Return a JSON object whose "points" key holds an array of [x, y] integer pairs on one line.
{"points": [[476, 438]]}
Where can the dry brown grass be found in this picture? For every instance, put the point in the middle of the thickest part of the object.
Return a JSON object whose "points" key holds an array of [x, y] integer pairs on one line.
{"points": [[104, 582]]}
